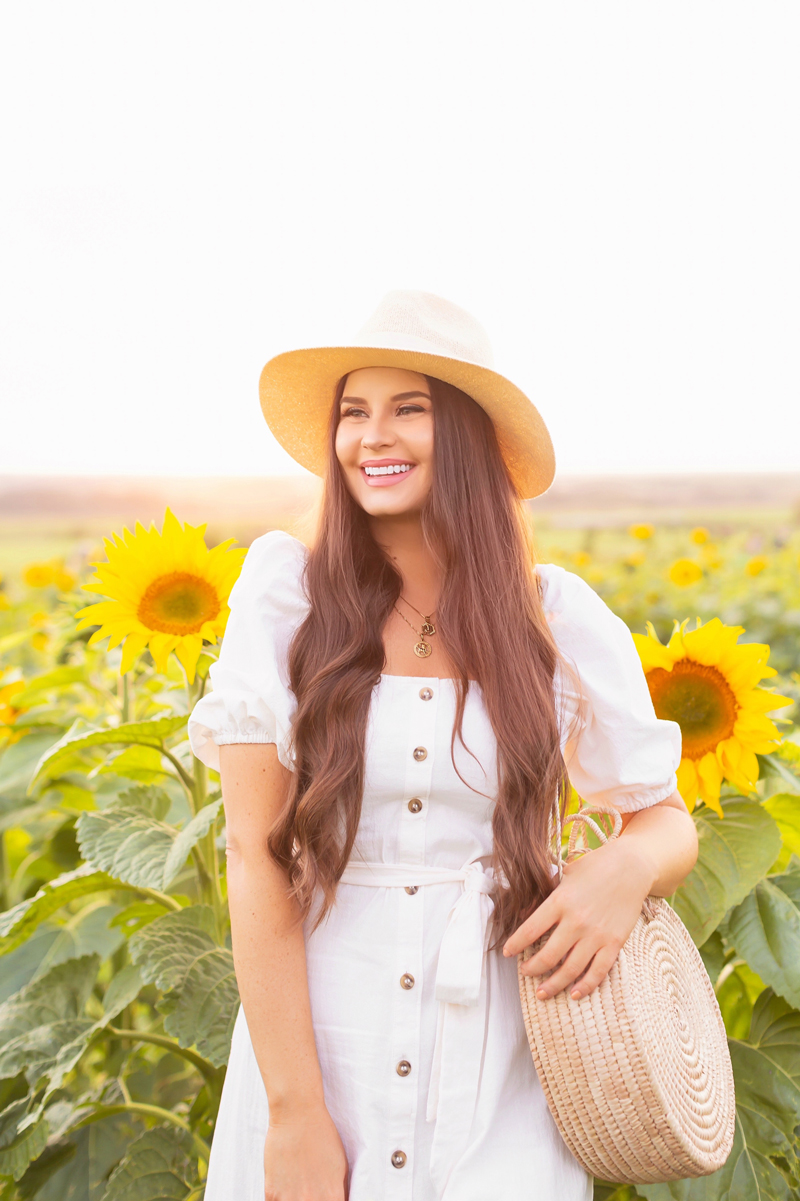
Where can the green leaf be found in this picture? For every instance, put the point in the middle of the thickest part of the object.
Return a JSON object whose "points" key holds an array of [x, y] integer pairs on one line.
{"points": [[202, 1011], [157, 1167], [189, 836], [177, 952], [38, 1023], [123, 989], [136, 916], [18, 764], [167, 947], [126, 842], [785, 808], [712, 953], [17, 924], [141, 733], [19, 1147], [735, 853], [136, 763], [765, 929], [156, 801], [59, 677]]}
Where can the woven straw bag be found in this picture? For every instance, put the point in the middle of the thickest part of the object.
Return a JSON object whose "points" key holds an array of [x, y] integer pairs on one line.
{"points": [[637, 1074]]}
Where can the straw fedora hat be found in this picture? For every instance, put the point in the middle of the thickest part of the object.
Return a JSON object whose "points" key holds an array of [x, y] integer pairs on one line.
{"points": [[419, 332]]}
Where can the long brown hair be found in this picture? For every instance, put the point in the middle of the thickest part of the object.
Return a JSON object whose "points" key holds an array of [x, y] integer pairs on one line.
{"points": [[474, 523]]}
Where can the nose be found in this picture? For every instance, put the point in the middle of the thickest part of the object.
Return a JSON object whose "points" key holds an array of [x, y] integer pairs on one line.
{"points": [[378, 433]]}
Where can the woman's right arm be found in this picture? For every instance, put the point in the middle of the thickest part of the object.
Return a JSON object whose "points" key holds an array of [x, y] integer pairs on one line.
{"points": [[304, 1159]]}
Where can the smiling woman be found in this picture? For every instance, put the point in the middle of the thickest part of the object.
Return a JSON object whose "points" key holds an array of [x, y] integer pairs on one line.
{"points": [[389, 830]]}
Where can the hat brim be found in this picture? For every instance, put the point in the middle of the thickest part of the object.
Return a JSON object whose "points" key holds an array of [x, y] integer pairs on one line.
{"points": [[298, 386]]}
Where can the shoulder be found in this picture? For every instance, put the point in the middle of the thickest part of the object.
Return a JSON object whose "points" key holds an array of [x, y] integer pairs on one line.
{"points": [[584, 628], [572, 607], [272, 574]]}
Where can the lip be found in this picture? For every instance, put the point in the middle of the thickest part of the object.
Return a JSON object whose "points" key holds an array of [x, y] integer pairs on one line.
{"points": [[385, 481]]}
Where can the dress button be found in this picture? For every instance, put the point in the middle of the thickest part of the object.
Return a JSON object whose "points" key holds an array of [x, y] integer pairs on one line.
{"points": [[425, 694], [415, 804], [407, 981], [403, 1068], [420, 753], [398, 1159], [411, 889]]}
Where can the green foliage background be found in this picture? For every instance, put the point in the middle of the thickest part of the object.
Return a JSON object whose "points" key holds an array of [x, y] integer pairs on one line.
{"points": [[117, 991]]}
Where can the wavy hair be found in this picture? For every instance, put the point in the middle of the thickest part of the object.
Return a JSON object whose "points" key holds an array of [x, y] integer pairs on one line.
{"points": [[474, 523]]}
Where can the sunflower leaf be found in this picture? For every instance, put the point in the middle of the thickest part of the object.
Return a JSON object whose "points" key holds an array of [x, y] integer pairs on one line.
{"points": [[156, 1167], [127, 842], [17, 924], [767, 1076], [139, 733], [43, 1025], [177, 952], [765, 929], [735, 853], [19, 1147], [785, 808], [189, 836]]}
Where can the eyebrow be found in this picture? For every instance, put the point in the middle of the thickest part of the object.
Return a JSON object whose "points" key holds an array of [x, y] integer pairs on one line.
{"points": [[399, 396]]}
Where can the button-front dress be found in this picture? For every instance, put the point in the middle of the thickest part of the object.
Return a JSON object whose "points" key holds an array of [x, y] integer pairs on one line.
{"points": [[425, 1061]]}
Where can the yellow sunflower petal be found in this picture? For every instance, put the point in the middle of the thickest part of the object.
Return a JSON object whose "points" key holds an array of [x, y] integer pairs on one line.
{"points": [[134, 645], [653, 653], [708, 643], [710, 773], [188, 651], [688, 783], [761, 700], [160, 647]]}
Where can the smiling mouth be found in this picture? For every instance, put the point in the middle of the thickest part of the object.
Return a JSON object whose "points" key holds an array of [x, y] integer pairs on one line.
{"points": [[383, 475]]}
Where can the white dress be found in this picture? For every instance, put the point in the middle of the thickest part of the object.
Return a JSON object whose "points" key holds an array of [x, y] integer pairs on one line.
{"points": [[424, 1057]]}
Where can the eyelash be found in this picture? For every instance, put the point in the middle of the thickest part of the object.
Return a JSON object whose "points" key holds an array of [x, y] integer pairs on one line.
{"points": [[411, 407]]}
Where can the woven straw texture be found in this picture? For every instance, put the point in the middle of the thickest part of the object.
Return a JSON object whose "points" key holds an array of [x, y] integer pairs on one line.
{"points": [[637, 1074]]}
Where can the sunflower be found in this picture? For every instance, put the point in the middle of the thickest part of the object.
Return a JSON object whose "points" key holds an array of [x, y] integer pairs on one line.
{"points": [[168, 592], [707, 683], [8, 710], [684, 572]]}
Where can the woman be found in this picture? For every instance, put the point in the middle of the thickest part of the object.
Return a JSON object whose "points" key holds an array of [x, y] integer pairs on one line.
{"points": [[393, 715]]}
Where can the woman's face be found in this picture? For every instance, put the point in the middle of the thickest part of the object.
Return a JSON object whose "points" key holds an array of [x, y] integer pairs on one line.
{"points": [[384, 440]]}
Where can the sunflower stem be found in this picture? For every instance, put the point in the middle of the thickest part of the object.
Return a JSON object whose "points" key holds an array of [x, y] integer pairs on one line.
{"points": [[126, 699]]}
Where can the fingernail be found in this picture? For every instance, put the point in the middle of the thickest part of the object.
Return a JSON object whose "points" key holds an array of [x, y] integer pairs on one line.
{"points": [[575, 994], [541, 994]]}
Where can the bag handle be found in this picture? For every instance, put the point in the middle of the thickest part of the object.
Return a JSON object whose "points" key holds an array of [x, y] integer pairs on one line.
{"points": [[582, 820]]}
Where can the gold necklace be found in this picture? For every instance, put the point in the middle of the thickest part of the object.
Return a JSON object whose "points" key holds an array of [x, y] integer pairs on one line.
{"points": [[422, 649], [428, 627]]}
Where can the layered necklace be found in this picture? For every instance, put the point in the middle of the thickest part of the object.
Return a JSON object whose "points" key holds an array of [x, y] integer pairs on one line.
{"points": [[422, 648]]}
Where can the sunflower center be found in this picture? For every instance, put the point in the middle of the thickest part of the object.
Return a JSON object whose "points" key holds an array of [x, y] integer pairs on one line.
{"points": [[178, 603], [699, 699]]}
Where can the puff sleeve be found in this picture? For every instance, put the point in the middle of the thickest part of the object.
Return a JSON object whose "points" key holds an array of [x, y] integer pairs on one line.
{"points": [[251, 700], [615, 747]]}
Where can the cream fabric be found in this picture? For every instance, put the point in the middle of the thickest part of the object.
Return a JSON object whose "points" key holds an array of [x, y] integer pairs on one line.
{"points": [[469, 1116]]}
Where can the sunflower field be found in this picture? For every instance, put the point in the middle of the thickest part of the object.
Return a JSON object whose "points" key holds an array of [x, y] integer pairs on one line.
{"points": [[117, 988]]}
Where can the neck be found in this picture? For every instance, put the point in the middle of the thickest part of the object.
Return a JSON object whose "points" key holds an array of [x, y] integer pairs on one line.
{"points": [[401, 539]]}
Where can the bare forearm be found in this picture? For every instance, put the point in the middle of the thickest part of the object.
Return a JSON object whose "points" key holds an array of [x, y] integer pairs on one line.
{"points": [[661, 842], [269, 955], [267, 935]]}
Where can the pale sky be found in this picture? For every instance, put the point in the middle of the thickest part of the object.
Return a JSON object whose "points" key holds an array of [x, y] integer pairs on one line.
{"points": [[611, 188]]}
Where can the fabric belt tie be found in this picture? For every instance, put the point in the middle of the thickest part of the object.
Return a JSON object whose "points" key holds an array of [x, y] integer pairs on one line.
{"points": [[461, 991]]}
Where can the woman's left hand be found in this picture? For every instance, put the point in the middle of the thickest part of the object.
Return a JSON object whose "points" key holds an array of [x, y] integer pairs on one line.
{"points": [[591, 913]]}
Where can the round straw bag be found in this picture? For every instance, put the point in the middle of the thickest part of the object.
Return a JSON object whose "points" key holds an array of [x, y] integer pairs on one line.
{"points": [[637, 1074]]}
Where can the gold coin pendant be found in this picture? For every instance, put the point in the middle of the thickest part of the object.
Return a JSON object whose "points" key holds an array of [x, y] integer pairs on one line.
{"points": [[423, 649]]}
